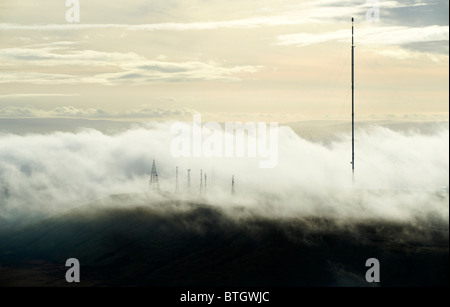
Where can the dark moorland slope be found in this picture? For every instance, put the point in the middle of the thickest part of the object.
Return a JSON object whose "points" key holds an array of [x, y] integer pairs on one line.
{"points": [[199, 245]]}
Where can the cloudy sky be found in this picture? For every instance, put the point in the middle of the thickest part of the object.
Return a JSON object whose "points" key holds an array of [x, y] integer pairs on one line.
{"points": [[282, 60]]}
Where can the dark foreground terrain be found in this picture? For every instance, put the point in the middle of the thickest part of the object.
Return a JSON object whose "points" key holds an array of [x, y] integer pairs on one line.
{"points": [[195, 245]]}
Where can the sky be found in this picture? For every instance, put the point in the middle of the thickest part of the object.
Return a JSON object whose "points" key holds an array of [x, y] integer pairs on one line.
{"points": [[277, 60], [269, 60]]}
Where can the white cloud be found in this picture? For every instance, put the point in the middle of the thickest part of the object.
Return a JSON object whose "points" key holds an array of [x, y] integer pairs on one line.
{"points": [[256, 22], [73, 112], [51, 173], [35, 95], [275, 14], [287, 18], [130, 67], [371, 36], [149, 112]]}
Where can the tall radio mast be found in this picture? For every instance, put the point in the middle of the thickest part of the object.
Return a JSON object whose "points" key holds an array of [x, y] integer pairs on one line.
{"points": [[353, 103]]}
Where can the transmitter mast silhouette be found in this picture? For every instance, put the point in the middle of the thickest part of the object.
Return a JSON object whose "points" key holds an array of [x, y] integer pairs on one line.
{"points": [[201, 182], [353, 105], [233, 192], [177, 186], [189, 180]]}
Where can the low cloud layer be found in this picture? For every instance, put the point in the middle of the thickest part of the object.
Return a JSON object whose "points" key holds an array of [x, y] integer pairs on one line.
{"points": [[73, 112], [399, 175], [20, 112]]}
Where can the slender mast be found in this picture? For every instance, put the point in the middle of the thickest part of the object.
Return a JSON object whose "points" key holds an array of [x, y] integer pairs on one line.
{"points": [[353, 104]]}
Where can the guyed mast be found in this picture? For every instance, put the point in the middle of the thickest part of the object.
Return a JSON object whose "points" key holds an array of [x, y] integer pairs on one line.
{"points": [[353, 104]]}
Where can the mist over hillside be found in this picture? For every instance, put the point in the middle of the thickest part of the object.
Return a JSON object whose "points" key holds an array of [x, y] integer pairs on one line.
{"points": [[43, 174]]}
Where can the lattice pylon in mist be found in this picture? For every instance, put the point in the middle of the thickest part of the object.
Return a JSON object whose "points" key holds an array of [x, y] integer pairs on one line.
{"points": [[154, 183]]}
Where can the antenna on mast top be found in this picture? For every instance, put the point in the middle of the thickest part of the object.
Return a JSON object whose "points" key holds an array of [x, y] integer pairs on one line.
{"points": [[353, 43]]}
